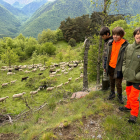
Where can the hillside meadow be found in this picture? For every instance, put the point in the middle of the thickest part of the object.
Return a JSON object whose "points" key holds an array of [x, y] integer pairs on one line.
{"points": [[53, 115]]}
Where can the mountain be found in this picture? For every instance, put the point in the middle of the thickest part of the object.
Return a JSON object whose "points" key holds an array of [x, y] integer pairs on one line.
{"points": [[51, 14], [33, 6], [20, 1], [12, 9], [8, 23]]}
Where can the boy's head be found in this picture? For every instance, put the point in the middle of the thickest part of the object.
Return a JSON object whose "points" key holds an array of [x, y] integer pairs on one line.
{"points": [[118, 33], [105, 33], [136, 34]]}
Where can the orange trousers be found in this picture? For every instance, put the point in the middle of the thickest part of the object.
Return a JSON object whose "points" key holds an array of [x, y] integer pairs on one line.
{"points": [[132, 100]]}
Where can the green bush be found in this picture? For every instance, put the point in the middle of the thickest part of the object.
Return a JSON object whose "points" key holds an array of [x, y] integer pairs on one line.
{"points": [[48, 48], [72, 42]]}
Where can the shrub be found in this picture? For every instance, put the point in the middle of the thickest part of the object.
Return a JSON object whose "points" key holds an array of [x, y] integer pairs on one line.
{"points": [[72, 42], [49, 48]]}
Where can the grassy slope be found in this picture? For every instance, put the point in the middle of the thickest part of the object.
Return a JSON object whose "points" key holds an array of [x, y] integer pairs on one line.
{"points": [[63, 118]]}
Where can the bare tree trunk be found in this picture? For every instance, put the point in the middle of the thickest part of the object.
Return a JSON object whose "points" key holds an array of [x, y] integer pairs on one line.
{"points": [[99, 60], [85, 77]]}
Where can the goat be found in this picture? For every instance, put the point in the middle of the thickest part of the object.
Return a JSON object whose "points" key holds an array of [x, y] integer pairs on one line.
{"points": [[3, 99], [40, 73], [24, 78]]}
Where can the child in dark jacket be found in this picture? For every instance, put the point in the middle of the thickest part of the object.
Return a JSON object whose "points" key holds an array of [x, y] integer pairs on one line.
{"points": [[105, 34], [131, 73], [113, 62]]}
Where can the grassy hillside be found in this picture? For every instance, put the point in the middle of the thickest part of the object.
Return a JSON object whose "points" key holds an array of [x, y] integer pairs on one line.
{"points": [[8, 23], [50, 15], [53, 114]]}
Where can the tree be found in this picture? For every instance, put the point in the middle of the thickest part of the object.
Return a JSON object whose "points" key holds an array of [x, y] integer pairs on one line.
{"points": [[47, 36], [9, 57], [48, 48]]}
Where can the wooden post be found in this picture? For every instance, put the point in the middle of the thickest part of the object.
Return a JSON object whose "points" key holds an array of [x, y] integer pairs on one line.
{"points": [[85, 76]]}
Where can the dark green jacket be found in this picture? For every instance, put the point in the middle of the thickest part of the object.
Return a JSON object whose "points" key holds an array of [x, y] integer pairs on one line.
{"points": [[118, 69], [131, 63]]}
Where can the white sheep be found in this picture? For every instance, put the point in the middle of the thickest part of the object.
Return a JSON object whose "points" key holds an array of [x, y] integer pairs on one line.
{"points": [[27, 71], [81, 76], [65, 73], [5, 84], [13, 81], [3, 99], [10, 73], [70, 79], [50, 88], [18, 95], [34, 70], [58, 74], [59, 85], [66, 82], [77, 79], [34, 92]]}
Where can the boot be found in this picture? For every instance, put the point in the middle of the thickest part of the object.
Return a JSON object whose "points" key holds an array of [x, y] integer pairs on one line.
{"points": [[120, 99], [123, 108], [132, 119], [111, 96]]}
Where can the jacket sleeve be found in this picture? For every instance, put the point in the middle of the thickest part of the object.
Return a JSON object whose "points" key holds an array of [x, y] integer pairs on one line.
{"points": [[124, 61]]}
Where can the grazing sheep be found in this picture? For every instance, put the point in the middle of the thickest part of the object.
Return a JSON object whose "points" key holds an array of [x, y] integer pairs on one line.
{"points": [[40, 73], [3, 99], [63, 70], [58, 74], [70, 79], [5, 84], [81, 76], [65, 73], [51, 75], [3, 69], [77, 79], [66, 83], [50, 88], [34, 70], [20, 69], [59, 85], [13, 81], [34, 92], [17, 68], [42, 69], [10, 73], [18, 95], [24, 78], [27, 71]]}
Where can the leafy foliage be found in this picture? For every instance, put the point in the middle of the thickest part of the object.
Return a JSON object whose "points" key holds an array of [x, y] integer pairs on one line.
{"points": [[72, 42]]}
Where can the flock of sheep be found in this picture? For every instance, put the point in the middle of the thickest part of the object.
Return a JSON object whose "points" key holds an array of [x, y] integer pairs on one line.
{"points": [[53, 72]]}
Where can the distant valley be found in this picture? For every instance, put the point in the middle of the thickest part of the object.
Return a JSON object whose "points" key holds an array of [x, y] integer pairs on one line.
{"points": [[31, 18]]}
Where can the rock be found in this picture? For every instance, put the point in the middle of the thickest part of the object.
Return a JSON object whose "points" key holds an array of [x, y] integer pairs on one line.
{"points": [[79, 94], [99, 136]]}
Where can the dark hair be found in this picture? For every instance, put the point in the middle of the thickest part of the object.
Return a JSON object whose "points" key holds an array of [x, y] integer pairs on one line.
{"points": [[118, 31], [136, 30], [104, 31]]}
